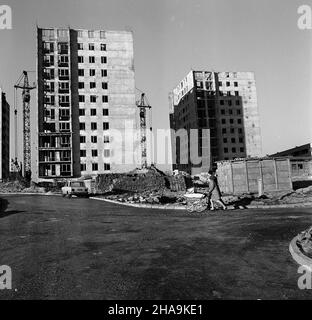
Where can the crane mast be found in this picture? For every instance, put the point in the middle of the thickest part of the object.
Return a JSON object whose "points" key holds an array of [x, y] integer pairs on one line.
{"points": [[23, 83], [143, 106]]}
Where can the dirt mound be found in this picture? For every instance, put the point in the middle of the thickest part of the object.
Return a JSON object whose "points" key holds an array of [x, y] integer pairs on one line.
{"points": [[12, 186], [139, 180], [19, 186]]}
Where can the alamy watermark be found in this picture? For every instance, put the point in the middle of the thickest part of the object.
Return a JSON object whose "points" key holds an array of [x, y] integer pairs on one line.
{"points": [[305, 280], [5, 277], [5, 17], [305, 19], [163, 146]]}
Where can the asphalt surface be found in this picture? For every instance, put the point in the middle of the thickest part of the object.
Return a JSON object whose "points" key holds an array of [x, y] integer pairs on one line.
{"points": [[86, 249]]}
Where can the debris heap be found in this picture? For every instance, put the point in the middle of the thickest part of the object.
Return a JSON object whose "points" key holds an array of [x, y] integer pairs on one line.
{"points": [[139, 180]]}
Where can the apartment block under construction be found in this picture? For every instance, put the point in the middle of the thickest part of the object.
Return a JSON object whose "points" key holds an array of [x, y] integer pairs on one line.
{"points": [[226, 104], [86, 102]]}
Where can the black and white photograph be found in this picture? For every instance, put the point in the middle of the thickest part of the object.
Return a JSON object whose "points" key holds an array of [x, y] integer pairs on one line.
{"points": [[156, 151]]}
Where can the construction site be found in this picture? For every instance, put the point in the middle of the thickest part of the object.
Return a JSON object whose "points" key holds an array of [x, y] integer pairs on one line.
{"points": [[86, 107], [155, 150], [243, 181]]}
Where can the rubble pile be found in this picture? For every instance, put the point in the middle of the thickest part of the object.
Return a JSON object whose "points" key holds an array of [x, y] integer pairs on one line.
{"points": [[302, 195], [307, 190], [20, 186], [299, 196], [34, 189], [155, 197], [105, 182], [140, 180], [173, 192], [12, 187]]}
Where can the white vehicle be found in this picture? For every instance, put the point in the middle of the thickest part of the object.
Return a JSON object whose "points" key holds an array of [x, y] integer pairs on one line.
{"points": [[77, 188]]}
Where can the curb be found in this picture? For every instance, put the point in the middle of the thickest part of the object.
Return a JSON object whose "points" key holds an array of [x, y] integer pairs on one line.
{"points": [[28, 194], [290, 205], [136, 205], [164, 207], [155, 206], [298, 256]]}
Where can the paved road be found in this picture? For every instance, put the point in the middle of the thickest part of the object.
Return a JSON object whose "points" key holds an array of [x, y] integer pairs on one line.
{"points": [[87, 249]]}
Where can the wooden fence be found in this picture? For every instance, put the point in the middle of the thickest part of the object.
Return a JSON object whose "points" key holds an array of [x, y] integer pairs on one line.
{"points": [[242, 176]]}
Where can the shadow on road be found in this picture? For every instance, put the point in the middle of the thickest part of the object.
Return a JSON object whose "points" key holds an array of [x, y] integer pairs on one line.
{"points": [[3, 207], [244, 202]]}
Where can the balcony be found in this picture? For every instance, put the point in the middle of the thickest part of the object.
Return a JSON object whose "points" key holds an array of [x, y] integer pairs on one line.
{"points": [[53, 146], [63, 51], [48, 76], [64, 118], [46, 159], [65, 145], [65, 173], [43, 157], [47, 51], [66, 78], [48, 89], [48, 127], [63, 64], [47, 145], [63, 90], [48, 103], [64, 104], [48, 63], [54, 134], [49, 119]]}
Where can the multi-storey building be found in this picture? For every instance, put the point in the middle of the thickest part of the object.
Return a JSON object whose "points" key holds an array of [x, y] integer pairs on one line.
{"points": [[86, 102], [4, 136], [226, 104]]}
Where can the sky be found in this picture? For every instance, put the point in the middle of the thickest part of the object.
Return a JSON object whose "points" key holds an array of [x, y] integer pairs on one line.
{"points": [[171, 37]]}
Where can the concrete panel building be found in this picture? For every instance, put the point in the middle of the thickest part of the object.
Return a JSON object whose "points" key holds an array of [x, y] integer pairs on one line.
{"points": [[226, 104], [86, 101], [4, 137]]}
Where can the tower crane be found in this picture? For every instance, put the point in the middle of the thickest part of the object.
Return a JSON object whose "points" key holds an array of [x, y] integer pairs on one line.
{"points": [[143, 106], [23, 83]]}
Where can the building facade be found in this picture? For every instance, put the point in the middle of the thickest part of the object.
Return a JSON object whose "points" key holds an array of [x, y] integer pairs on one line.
{"points": [[86, 103], [4, 137], [224, 103]]}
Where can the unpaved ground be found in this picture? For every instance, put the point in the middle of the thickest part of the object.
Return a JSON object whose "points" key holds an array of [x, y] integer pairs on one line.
{"points": [[79, 248]]}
